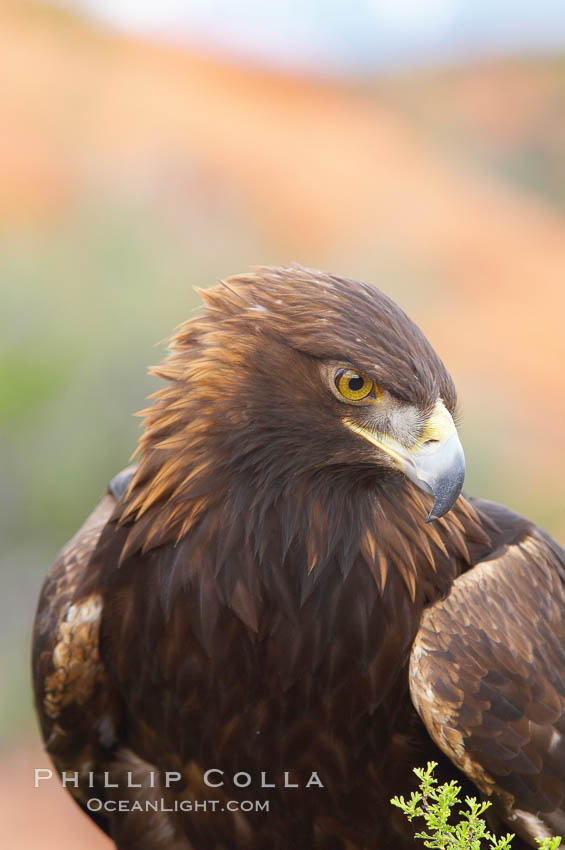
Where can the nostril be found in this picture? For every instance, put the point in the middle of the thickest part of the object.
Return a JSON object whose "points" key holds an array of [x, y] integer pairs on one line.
{"points": [[430, 442]]}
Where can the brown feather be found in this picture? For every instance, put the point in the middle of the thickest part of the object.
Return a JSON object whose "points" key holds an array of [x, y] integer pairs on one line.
{"points": [[487, 678]]}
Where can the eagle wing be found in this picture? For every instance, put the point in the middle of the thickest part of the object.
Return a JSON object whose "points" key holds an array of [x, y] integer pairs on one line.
{"points": [[83, 720], [487, 676], [73, 696], [80, 712]]}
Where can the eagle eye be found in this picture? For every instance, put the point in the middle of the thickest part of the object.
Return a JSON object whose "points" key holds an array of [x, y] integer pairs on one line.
{"points": [[354, 386]]}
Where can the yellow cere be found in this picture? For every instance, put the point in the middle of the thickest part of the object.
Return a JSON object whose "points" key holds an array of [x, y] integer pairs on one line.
{"points": [[439, 425]]}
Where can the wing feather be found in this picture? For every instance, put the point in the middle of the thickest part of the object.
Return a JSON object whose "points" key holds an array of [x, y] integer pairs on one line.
{"points": [[487, 676], [80, 712], [77, 713]]}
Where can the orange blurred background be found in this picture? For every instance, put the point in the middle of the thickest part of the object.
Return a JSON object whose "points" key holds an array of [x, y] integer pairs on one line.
{"points": [[132, 170]]}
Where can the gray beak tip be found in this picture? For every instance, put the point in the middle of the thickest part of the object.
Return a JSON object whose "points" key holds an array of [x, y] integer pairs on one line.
{"points": [[445, 480]]}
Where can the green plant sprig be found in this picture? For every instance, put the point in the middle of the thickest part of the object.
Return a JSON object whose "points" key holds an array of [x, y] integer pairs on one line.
{"points": [[435, 804]]}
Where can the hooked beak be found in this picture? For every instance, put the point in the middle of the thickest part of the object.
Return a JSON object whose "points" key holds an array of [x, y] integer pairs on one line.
{"points": [[435, 463]]}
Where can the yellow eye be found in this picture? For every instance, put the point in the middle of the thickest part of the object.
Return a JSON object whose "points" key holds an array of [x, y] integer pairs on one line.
{"points": [[353, 385]]}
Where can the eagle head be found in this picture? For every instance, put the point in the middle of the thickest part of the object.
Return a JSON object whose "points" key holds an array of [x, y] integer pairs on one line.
{"points": [[291, 376]]}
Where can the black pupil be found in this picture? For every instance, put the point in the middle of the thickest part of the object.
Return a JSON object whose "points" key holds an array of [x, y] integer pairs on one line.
{"points": [[355, 384]]}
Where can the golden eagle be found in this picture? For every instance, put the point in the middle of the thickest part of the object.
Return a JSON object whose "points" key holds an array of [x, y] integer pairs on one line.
{"points": [[287, 603]]}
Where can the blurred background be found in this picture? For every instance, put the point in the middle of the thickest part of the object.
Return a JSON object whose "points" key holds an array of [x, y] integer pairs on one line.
{"points": [[148, 147]]}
